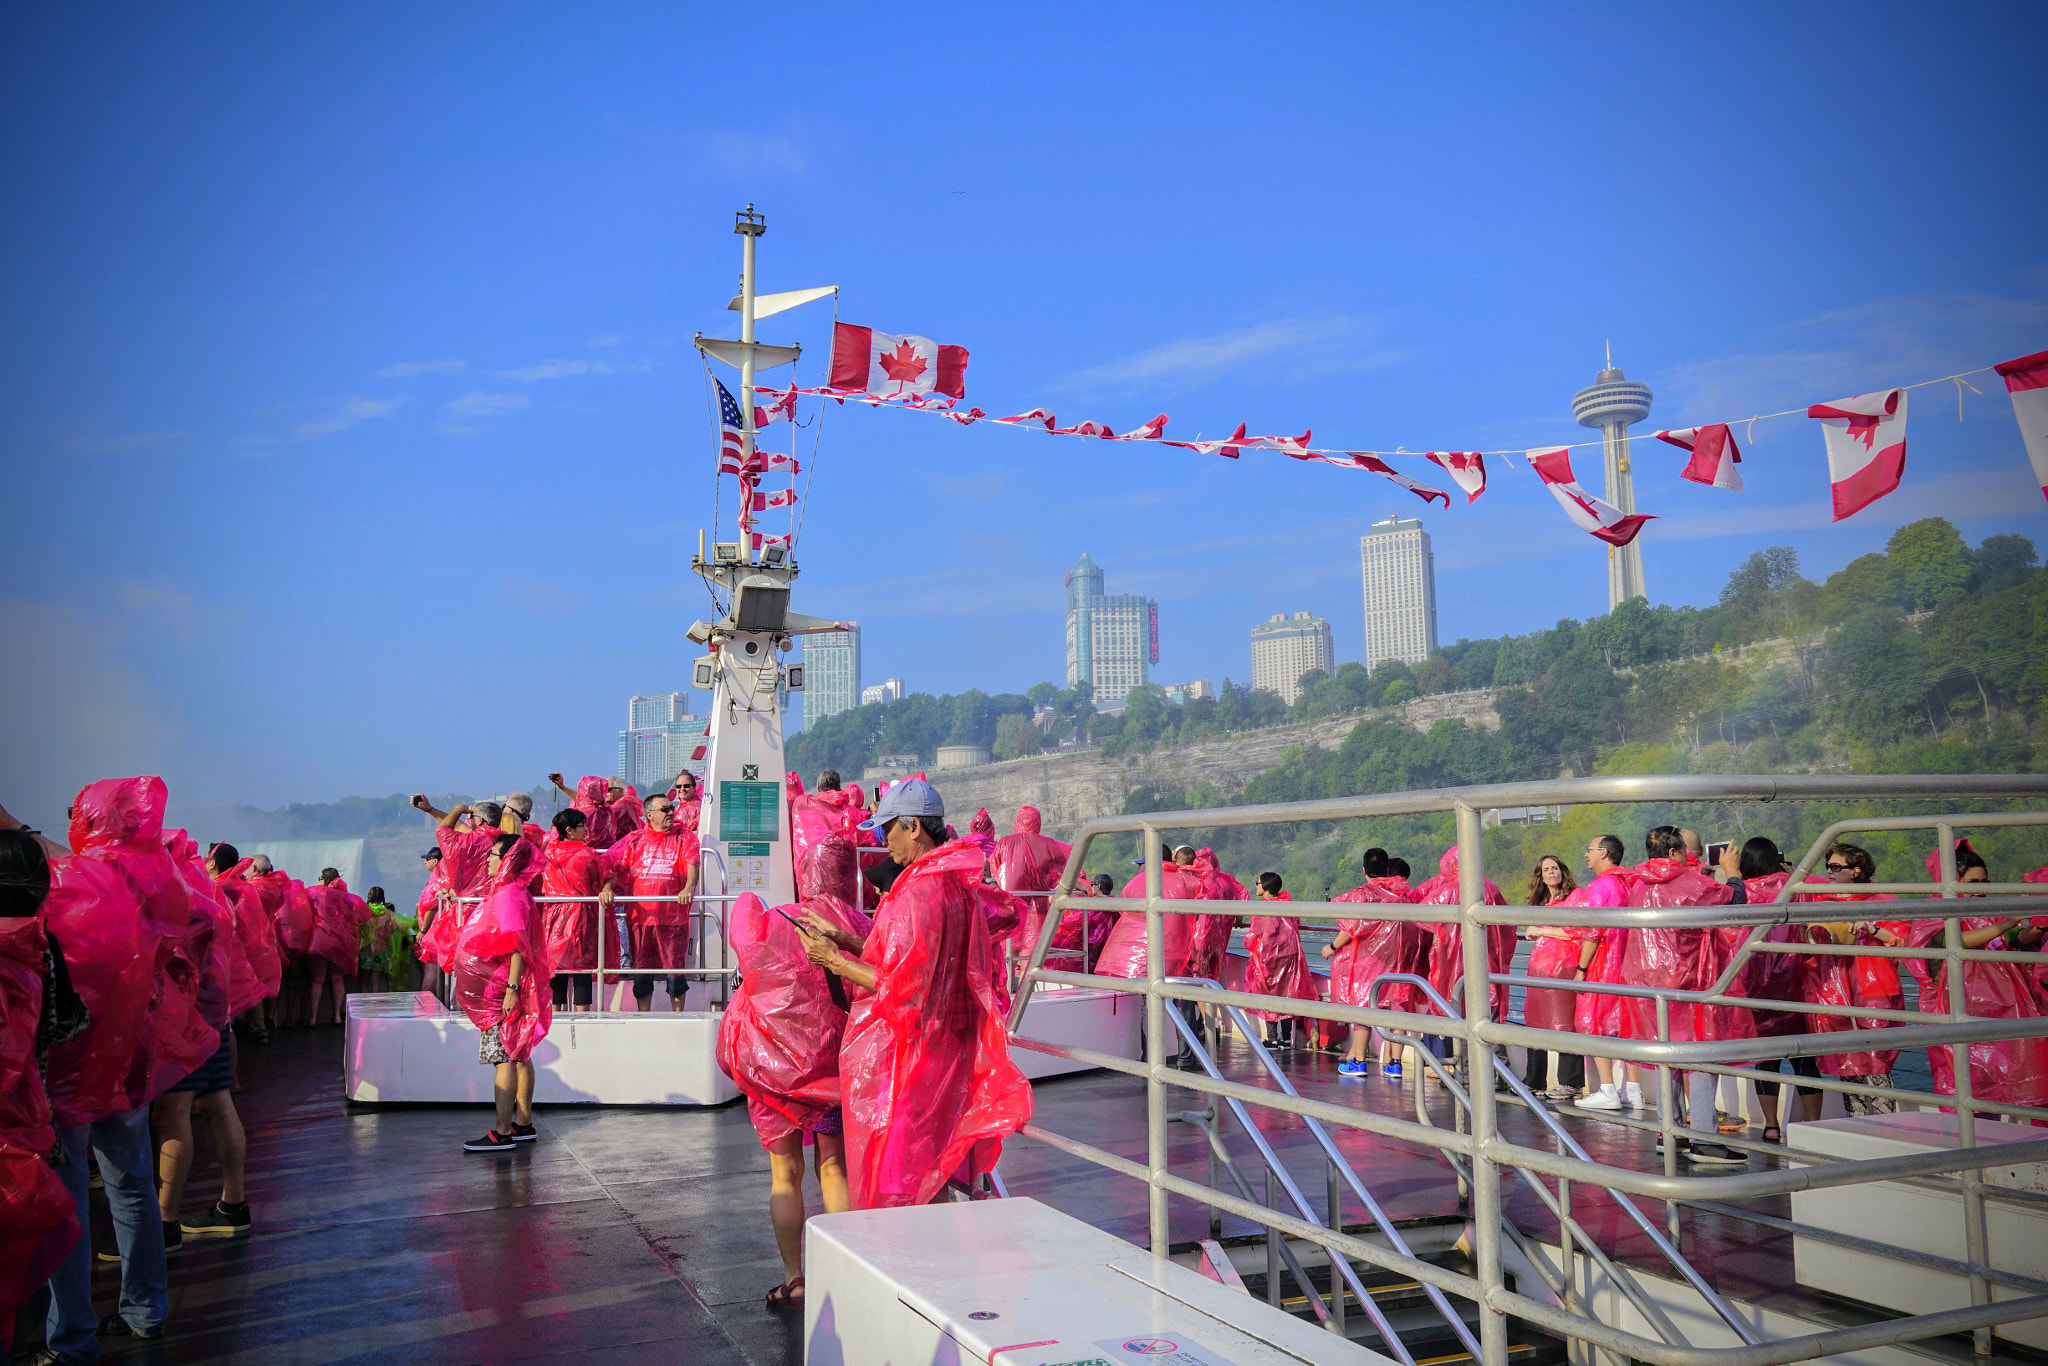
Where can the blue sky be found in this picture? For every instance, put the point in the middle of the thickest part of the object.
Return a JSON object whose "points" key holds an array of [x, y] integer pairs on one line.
{"points": [[354, 441]]}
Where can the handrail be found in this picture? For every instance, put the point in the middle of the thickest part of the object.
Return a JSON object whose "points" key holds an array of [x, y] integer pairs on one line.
{"points": [[1484, 1150]]}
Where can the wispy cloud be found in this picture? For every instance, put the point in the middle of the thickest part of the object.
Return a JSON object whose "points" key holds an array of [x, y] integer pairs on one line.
{"points": [[1302, 347], [739, 150], [547, 369], [470, 414], [350, 413], [413, 369]]}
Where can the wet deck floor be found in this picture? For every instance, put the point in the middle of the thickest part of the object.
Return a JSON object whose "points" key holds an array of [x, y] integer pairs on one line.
{"points": [[642, 1235]]}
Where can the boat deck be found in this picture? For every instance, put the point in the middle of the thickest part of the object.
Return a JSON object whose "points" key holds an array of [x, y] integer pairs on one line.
{"points": [[630, 1235]]}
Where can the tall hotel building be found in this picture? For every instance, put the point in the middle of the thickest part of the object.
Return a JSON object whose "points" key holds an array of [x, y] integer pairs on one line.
{"points": [[1284, 648], [659, 739], [1399, 569], [1112, 638], [831, 673]]}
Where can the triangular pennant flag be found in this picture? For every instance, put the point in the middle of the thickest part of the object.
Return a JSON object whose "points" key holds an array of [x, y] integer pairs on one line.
{"points": [[1866, 440], [1468, 468], [2026, 379], [1366, 460], [1594, 517], [1714, 455]]}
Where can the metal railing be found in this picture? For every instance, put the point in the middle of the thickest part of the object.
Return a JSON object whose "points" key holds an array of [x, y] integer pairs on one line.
{"points": [[1481, 1154]]}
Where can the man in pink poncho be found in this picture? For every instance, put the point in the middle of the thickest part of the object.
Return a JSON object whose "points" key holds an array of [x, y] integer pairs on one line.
{"points": [[1275, 963], [1600, 960], [1124, 952], [501, 983], [1363, 950], [780, 1041], [338, 917], [928, 1086], [465, 835], [657, 863], [1211, 937]]}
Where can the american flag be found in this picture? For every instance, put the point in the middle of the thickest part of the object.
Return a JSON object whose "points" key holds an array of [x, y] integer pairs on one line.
{"points": [[732, 446]]}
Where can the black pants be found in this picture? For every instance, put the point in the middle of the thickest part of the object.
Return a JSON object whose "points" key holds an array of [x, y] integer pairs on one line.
{"points": [[561, 987], [1571, 1070], [1801, 1067], [643, 987]]}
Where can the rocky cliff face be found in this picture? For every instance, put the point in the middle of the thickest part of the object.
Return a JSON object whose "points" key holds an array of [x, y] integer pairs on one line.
{"points": [[1069, 789]]}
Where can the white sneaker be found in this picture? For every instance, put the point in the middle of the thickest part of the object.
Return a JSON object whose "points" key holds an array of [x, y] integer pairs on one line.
{"points": [[1635, 1098], [1601, 1100]]}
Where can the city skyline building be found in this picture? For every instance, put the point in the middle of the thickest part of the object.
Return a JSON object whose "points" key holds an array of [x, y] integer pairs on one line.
{"points": [[1612, 404], [659, 740], [1397, 567], [831, 672], [1194, 690], [1286, 647], [1112, 638], [888, 690]]}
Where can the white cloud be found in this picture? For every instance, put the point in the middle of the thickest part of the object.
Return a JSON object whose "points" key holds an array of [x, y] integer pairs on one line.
{"points": [[412, 369], [465, 416], [351, 412], [1298, 348], [547, 369]]}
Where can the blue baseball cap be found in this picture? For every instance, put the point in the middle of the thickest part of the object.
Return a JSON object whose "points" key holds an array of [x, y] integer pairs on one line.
{"points": [[911, 797]]}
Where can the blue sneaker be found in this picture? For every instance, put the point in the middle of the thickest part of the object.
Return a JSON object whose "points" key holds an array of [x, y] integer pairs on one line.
{"points": [[1351, 1069], [1392, 1071]]}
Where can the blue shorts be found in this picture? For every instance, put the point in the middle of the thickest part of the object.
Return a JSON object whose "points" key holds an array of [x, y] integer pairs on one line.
{"points": [[215, 1074]]}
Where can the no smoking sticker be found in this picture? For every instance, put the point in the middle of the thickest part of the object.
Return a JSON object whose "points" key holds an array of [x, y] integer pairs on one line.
{"points": [[1159, 1350]]}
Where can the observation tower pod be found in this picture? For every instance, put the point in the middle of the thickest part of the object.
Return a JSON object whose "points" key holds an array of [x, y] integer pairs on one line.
{"points": [[1612, 404]]}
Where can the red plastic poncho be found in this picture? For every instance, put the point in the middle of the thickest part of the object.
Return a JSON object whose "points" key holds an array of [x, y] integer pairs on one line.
{"points": [[1834, 980], [506, 923], [124, 917], [1276, 965], [338, 916], [594, 800], [38, 1223], [1211, 937], [258, 935], [1026, 861], [270, 889], [779, 1040], [627, 811], [2012, 1071], [1123, 953], [814, 816], [654, 864], [929, 1089], [1067, 953], [296, 919], [1377, 947], [1684, 959], [1595, 1013], [232, 985], [1446, 950], [572, 868], [1556, 956], [436, 941]]}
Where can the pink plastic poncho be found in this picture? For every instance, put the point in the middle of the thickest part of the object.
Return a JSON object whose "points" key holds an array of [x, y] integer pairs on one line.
{"points": [[506, 923], [431, 910], [338, 916], [238, 987], [1595, 1013], [572, 868], [37, 1222], [779, 1040], [1026, 861], [270, 890], [628, 811], [296, 919], [1076, 925], [258, 935], [1276, 965], [1376, 947], [654, 864], [2013, 1071], [929, 1089], [1834, 980], [1556, 956], [1123, 953], [594, 801], [1446, 950], [814, 816], [1211, 937], [120, 910], [1684, 959]]}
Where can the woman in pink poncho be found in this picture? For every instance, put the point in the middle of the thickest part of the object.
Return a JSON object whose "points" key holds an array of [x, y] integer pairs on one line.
{"points": [[779, 1042], [1275, 964], [1027, 861], [573, 928], [1834, 980], [336, 946], [592, 796], [1447, 952], [501, 983], [1365, 949], [2011, 1071], [1555, 952], [1211, 937]]}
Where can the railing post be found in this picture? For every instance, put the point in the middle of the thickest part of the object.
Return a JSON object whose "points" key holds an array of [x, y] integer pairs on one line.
{"points": [[1155, 1042], [1479, 1077], [1667, 1078], [1974, 1233]]}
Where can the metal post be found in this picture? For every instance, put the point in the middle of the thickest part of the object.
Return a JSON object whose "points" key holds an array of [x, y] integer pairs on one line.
{"points": [[1665, 1077], [1155, 1042], [1486, 1205], [1974, 1232], [1272, 1247], [1337, 1291], [749, 231]]}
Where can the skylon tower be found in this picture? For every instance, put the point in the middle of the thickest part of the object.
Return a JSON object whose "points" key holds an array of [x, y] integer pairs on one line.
{"points": [[1612, 404]]}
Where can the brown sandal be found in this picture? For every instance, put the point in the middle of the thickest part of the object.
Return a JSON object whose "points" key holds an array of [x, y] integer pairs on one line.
{"points": [[788, 1295]]}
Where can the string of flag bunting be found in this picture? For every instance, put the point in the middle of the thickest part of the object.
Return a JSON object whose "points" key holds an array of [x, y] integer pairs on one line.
{"points": [[1864, 436]]}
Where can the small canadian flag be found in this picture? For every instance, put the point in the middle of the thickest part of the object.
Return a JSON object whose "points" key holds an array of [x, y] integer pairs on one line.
{"points": [[865, 361], [1595, 517], [780, 498], [1714, 455], [2026, 379], [1866, 437], [1468, 468]]}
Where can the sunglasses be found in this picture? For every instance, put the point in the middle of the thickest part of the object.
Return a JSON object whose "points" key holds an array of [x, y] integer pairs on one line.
{"points": [[1839, 867]]}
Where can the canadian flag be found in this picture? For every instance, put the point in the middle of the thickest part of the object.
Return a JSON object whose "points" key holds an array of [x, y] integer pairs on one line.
{"points": [[1228, 447], [780, 498], [1467, 468], [1366, 460], [763, 461], [1101, 429], [1037, 415], [1151, 431], [759, 541], [1714, 455], [1866, 438], [1595, 518], [869, 362], [781, 406], [2026, 379]]}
